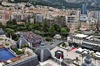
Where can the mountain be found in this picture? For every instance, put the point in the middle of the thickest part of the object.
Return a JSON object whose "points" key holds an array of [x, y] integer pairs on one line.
{"points": [[91, 4], [60, 3]]}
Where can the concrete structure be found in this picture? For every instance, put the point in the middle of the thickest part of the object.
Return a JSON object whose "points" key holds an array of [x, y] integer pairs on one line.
{"points": [[57, 36], [38, 18], [83, 17], [88, 61], [29, 61], [83, 9], [21, 16], [43, 53], [1, 32], [8, 4], [21, 41], [72, 19], [97, 16], [60, 20]]}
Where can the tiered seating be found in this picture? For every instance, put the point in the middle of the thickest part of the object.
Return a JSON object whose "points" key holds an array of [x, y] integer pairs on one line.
{"points": [[31, 37]]}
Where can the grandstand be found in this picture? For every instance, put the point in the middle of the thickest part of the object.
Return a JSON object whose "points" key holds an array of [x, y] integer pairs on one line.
{"points": [[31, 37]]}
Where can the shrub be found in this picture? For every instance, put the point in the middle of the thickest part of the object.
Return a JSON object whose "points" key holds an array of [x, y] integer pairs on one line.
{"points": [[14, 60], [7, 63], [1, 39], [22, 46], [26, 45], [91, 53], [7, 44], [59, 44], [48, 39], [63, 44], [34, 51], [23, 50], [5, 39], [15, 49], [18, 52]]}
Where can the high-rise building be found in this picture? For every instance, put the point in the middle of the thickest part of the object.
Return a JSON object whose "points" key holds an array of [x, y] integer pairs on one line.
{"points": [[83, 9], [38, 18], [83, 16]]}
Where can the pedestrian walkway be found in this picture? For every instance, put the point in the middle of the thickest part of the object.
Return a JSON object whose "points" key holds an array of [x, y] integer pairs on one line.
{"points": [[72, 49], [72, 55]]}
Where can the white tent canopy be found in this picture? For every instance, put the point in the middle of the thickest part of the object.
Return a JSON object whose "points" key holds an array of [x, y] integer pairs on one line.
{"points": [[98, 53], [79, 49], [81, 35], [85, 52]]}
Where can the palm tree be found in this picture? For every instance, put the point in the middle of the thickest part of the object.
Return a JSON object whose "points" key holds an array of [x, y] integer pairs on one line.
{"points": [[77, 60], [82, 55]]}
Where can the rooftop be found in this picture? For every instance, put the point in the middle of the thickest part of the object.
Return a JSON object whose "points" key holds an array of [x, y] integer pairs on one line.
{"points": [[81, 35]]}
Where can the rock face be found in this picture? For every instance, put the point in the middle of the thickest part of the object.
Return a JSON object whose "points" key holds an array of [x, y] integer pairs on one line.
{"points": [[65, 2], [74, 1], [71, 1]]}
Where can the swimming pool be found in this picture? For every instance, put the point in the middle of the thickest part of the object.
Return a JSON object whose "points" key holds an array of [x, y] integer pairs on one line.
{"points": [[5, 54]]}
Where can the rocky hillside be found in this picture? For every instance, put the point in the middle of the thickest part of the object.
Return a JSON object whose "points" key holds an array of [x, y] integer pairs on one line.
{"points": [[91, 4]]}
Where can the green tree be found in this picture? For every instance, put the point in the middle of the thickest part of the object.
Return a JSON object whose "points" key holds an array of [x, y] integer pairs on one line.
{"points": [[15, 37], [45, 25], [22, 50], [52, 31], [14, 22], [63, 31], [30, 27], [9, 31], [64, 45], [57, 27], [48, 39], [23, 28], [14, 26], [1, 25], [37, 32]]}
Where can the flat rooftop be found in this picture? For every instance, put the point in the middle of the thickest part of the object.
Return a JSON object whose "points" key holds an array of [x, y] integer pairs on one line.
{"points": [[49, 63]]}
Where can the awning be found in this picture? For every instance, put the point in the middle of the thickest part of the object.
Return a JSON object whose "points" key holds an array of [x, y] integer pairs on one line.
{"points": [[81, 35], [80, 49], [71, 42], [85, 46]]}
